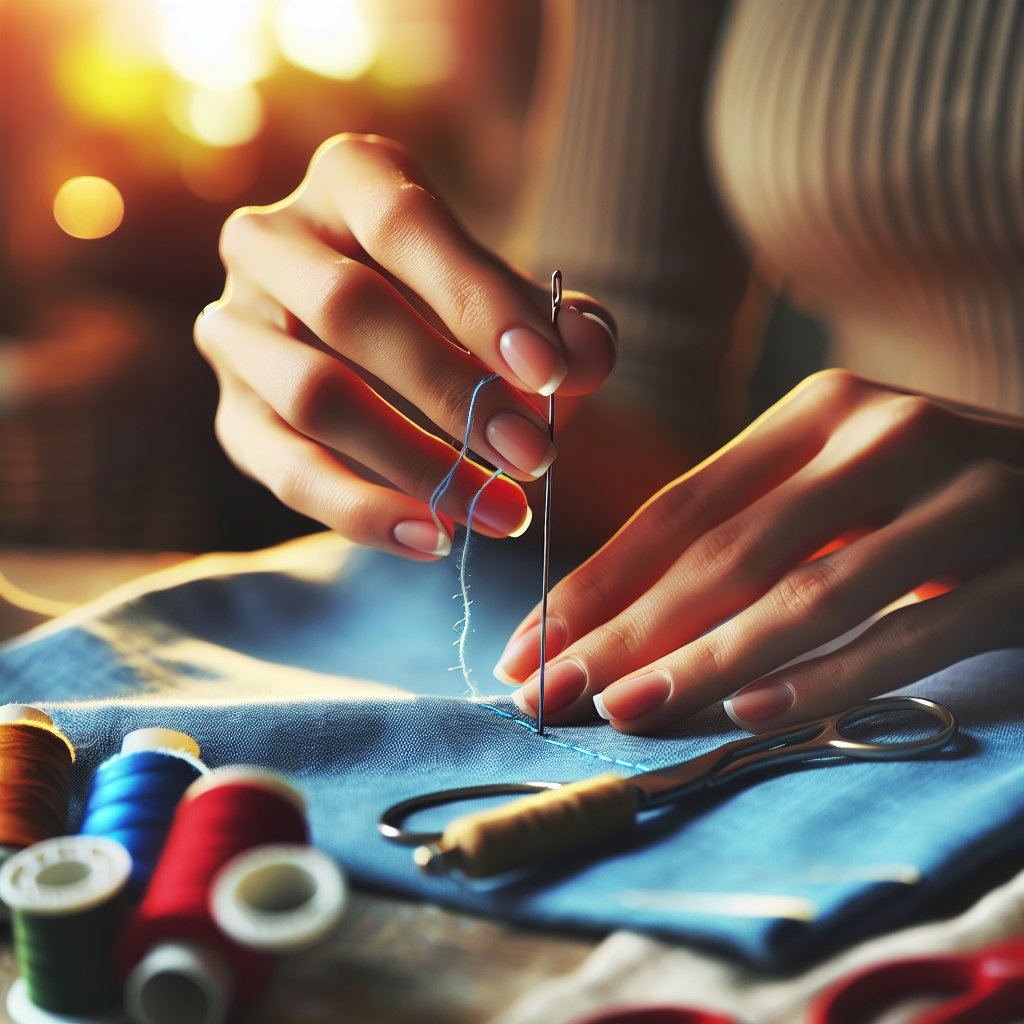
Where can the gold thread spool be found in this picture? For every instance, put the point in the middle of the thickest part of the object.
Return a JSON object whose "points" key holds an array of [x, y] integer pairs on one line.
{"points": [[35, 776], [534, 829]]}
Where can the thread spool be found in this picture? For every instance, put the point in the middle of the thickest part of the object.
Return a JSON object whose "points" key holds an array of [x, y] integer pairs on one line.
{"points": [[220, 816], [132, 796], [35, 774], [64, 896], [278, 898]]}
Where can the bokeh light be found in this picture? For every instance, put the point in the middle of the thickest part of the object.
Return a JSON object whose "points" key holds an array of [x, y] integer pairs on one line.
{"points": [[225, 117], [219, 44], [417, 53], [329, 37], [88, 207]]}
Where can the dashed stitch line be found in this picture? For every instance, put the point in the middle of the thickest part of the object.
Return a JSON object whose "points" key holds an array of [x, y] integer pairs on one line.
{"points": [[559, 743]]}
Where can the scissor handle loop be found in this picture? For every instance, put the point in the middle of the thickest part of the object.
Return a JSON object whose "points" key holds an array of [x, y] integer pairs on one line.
{"points": [[390, 823], [824, 737], [838, 740]]}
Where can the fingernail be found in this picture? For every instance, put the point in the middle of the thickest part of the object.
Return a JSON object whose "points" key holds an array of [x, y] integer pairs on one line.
{"points": [[756, 703], [498, 511], [634, 697], [521, 657], [533, 359], [579, 336], [563, 683], [524, 445], [421, 536]]}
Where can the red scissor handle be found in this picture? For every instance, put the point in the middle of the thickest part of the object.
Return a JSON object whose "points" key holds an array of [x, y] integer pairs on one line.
{"points": [[654, 1015], [985, 987]]}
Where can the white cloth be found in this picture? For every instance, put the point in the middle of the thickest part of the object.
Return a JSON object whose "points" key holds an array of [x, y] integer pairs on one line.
{"points": [[631, 970]]}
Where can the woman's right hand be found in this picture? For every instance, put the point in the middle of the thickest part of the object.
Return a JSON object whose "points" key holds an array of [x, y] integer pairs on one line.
{"points": [[362, 281]]}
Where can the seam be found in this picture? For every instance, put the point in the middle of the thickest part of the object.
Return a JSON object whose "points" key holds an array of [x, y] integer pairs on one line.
{"points": [[559, 743]]}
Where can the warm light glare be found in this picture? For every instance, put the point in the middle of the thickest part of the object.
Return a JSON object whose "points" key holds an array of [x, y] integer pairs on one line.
{"points": [[107, 86], [88, 207], [225, 117], [417, 53], [219, 44], [329, 37]]}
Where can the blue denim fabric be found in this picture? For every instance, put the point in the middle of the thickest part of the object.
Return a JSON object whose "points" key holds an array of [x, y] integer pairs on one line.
{"points": [[860, 844]]}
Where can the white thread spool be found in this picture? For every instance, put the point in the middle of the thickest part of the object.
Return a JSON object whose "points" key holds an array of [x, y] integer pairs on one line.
{"points": [[278, 898], [179, 983], [169, 740], [55, 878]]}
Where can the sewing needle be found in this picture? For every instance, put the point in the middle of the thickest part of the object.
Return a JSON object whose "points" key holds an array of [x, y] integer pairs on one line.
{"points": [[556, 305]]}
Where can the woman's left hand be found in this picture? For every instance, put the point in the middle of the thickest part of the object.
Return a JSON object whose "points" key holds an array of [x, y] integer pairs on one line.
{"points": [[719, 581]]}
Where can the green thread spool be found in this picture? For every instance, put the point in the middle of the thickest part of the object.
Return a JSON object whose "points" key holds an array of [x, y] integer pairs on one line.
{"points": [[64, 899]]}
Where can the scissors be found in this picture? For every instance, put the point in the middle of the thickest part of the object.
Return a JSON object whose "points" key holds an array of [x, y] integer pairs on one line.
{"points": [[560, 817], [982, 987]]}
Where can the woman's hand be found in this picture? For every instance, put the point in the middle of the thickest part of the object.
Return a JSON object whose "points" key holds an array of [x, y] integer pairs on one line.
{"points": [[358, 293], [713, 585]]}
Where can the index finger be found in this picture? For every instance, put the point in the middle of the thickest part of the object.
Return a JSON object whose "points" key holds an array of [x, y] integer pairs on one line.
{"points": [[371, 189]]}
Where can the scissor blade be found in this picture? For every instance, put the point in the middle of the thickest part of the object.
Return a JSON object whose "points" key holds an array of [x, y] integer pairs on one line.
{"points": [[664, 785]]}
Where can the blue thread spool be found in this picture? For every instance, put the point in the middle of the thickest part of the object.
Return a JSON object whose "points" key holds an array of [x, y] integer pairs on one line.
{"points": [[133, 796]]}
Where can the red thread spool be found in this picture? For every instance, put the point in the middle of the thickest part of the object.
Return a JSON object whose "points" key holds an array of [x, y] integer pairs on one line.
{"points": [[224, 814]]}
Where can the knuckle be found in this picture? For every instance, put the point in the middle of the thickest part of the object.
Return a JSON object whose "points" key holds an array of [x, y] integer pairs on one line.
{"points": [[468, 304], [449, 397], [832, 679], [835, 386], [905, 632], [348, 297], [288, 478], [237, 234], [724, 552], [395, 215], [912, 416], [808, 590], [616, 641], [678, 506], [310, 397]]}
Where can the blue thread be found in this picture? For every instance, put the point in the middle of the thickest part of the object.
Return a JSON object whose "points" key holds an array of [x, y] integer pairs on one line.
{"points": [[132, 798], [435, 498], [444, 484], [559, 743], [464, 586]]}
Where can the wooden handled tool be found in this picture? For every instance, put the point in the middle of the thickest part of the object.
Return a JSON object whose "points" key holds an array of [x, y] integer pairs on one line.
{"points": [[534, 829]]}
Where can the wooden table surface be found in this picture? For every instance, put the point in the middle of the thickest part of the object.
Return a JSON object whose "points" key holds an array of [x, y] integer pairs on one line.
{"points": [[390, 961]]}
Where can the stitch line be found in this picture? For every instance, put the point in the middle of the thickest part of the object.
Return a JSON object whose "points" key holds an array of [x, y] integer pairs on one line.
{"points": [[559, 743]]}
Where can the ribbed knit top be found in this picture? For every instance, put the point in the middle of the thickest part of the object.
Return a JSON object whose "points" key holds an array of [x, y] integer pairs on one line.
{"points": [[870, 151], [873, 151]]}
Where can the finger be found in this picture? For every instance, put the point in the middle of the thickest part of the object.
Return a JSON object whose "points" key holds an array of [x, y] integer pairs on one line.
{"points": [[768, 452], [985, 614], [383, 199], [977, 520], [321, 398], [307, 478], [362, 316]]}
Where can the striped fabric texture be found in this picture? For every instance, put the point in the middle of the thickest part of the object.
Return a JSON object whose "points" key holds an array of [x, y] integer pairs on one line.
{"points": [[873, 153]]}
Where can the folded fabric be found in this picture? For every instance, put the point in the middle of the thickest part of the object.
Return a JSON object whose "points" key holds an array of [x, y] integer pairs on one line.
{"points": [[331, 664], [632, 970]]}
